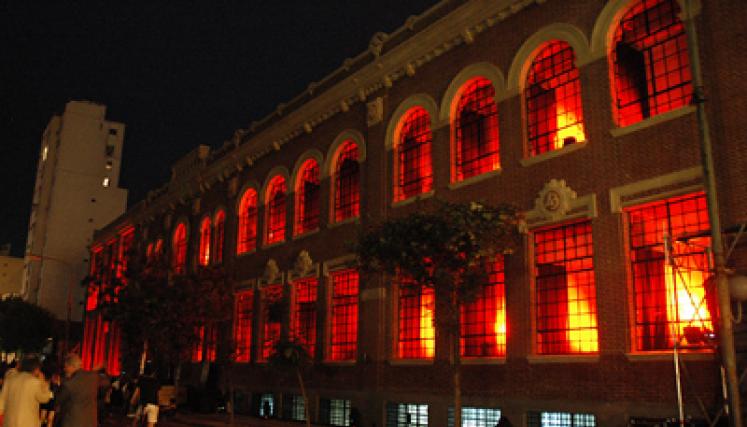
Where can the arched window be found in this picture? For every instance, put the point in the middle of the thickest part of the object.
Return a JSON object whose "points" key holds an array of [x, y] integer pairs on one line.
{"points": [[650, 62], [476, 130], [179, 249], [275, 205], [247, 238], [347, 182], [414, 172], [555, 116], [220, 236], [203, 257], [307, 197]]}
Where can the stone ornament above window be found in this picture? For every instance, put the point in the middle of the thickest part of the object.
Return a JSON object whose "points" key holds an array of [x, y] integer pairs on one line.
{"points": [[303, 264], [375, 111], [558, 202], [272, 272]]}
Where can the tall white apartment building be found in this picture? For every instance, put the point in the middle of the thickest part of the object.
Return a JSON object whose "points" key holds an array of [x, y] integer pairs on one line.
{"points": [[76, 192]]}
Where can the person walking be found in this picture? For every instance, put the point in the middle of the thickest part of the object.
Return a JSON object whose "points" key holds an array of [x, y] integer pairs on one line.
{"points": [[147, 393], [22, 393], [78, 395]]}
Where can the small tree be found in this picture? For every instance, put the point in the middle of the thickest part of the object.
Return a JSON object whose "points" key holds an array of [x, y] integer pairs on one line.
{"points": [[448, 249], [293, 355], [24, 327]]}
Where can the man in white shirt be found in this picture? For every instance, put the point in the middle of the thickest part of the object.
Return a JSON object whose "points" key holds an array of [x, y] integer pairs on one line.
{"points": [[22, 393]]}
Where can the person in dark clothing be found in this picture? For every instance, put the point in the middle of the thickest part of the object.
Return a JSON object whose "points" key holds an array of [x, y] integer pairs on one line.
{"points": [[504, 422], [76, 401], [147, 393]]}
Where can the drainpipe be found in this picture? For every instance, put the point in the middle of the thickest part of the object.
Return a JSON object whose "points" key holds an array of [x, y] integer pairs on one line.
{"points": [[726, 331]]}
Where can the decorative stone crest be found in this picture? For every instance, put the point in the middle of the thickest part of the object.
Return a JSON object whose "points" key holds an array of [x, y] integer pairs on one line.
{"points": [[272, 272], [303, 264], [375, 111], [555, 199]]}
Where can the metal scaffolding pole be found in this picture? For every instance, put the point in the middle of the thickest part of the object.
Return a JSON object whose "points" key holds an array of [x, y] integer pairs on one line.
{"points": [[726, 331]]}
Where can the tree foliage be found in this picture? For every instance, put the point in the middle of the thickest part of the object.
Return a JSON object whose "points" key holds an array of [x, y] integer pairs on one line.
{"points": [[24, 326], [152, 305], [447, 248]]}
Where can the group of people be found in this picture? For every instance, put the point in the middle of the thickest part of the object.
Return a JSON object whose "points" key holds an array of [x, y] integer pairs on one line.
{"points": [[34, 395]]}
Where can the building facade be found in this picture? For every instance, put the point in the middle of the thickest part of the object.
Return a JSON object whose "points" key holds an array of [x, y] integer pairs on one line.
{"points": [[11, 273], [578, 112], [76, 192]]}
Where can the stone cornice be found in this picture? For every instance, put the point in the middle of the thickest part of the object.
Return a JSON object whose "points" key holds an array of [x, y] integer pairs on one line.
{"points": [[389, 59]]}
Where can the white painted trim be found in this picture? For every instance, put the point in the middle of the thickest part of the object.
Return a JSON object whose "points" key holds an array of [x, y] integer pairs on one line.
{"points": [[653, 121], [680, 182], [475, 179], [563, 358], [666, 356], [454, 91], [580, 208], [340, 263], [395, 120], [414, 199], [332, 153], [529, 161], [526, 53]]}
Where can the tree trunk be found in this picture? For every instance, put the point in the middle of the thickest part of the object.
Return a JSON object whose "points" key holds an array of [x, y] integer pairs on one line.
{"points": [[456, 359], [305, 398]]}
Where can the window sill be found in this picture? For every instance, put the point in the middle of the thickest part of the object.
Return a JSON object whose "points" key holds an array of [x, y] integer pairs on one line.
{"points": [[474, 179], [564, 358], [413, 199], [652, 121], [247, 253], [340, 363], [306, 234], [351, 220], [529, 161], [272, 245], [483, 361], [666, 356], [411, 362]]}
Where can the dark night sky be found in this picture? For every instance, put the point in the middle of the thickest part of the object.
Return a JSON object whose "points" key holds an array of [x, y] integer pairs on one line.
{"points": [[176, 75]]}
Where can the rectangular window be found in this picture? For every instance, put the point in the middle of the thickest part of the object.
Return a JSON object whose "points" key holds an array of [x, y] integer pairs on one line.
{"points": [[477, 417], [672, 303], [406, 415], [566, 300], [344, 315], [334, 412], [243, 325], [483, 321], [293, 407], [560, 419], [272, 319], [304, 313], [416, 338]]}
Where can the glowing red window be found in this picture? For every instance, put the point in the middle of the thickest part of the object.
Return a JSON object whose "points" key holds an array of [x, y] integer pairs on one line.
{"points": [[220, 236], [272, 319], [555, 116], [483, 320], [276, 210], [304, 313], [414, 174], [247, 238], [199, 345], [113, 357], [158, 250], [243, 325], [650, 62], [149, 254], [89, 337], [203, 257], [307, 198], [206, 344], [565, 290], [476, 130], [347, 182], [344, 312], [179, 249], [416, 334], [671, 302]]}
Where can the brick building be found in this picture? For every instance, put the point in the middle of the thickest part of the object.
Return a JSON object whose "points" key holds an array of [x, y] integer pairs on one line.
{"points": [[578, 112]]}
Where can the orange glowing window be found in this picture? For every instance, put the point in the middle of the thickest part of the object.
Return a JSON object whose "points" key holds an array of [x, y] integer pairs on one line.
{"points": [[413, 155], [220, 236], [247, 238], [304, 313], [416, 309], [566, 299], [347, 182], [483, 321], [344, 312], [671, 302], [553, 100], [203, 257], [476, 130], [276, 210], [179, 249], [158, 250], [206, 344], [307, 197], [650, 62], [243, 325], [272, 319]]}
